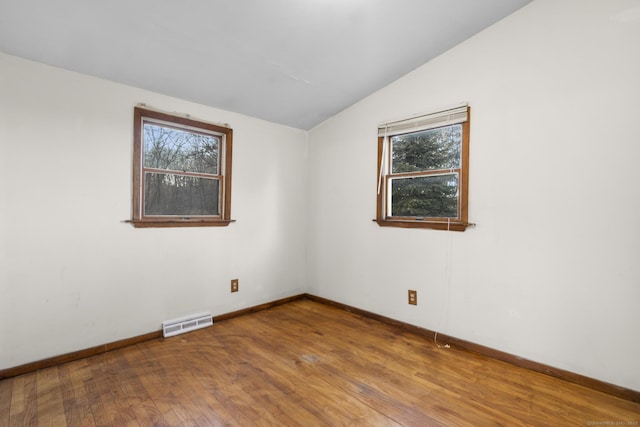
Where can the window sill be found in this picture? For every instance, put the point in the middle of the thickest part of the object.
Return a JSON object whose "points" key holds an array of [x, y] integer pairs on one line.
{"points": [[178, 223], [453, 226]]}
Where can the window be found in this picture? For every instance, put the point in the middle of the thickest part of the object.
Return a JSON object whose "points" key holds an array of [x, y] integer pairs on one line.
{"points": [[423, 171], [181, 171]]}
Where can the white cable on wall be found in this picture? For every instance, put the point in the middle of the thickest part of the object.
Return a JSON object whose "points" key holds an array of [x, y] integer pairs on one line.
{"points": [[444, 317]]}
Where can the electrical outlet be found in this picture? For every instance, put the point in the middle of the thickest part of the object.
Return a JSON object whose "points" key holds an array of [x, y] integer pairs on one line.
{"points": [[234, 285], [413, 297]]}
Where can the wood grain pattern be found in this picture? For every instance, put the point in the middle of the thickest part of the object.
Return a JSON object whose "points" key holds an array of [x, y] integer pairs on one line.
{"points": [[443, 339], [302, 363], [76, 355], [92, 351]]}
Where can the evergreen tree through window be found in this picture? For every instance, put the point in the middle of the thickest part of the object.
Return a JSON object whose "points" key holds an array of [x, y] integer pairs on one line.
{"points": [[423, 173]]}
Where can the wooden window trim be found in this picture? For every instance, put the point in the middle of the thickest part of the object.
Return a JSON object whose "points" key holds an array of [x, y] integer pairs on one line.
{"points": [[138, 219], [460, 224]]}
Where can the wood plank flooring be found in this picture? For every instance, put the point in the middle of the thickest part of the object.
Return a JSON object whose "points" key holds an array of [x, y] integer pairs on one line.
{"points": [[300, 364]]}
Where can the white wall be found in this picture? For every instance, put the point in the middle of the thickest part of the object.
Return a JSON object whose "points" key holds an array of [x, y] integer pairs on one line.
{"points": [[73, 275], [552, 270]]}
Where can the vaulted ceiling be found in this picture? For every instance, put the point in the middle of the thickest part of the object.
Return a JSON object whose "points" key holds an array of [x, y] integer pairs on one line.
{"points": [[295, 62]]}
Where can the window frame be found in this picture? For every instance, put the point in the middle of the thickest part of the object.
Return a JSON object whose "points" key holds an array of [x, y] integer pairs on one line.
{"points": [[385, 175], [139, 219]]}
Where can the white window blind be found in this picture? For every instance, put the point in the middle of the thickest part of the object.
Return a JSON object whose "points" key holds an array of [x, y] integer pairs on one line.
{"points": [[451, 116]]}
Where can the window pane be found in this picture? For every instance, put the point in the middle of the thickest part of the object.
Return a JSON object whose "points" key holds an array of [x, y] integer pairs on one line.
{"points": [[427, 196], [181, 150], [167, 194], [431, 149]]}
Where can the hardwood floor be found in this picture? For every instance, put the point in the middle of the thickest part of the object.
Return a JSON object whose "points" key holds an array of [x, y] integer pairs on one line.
{"points": [[302, 363]]}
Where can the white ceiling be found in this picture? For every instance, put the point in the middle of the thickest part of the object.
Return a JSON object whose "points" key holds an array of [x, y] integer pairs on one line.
{"points": [[295, 62]]}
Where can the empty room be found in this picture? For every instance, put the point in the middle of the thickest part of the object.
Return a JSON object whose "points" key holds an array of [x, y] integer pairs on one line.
{"points": [[319, 212]]}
